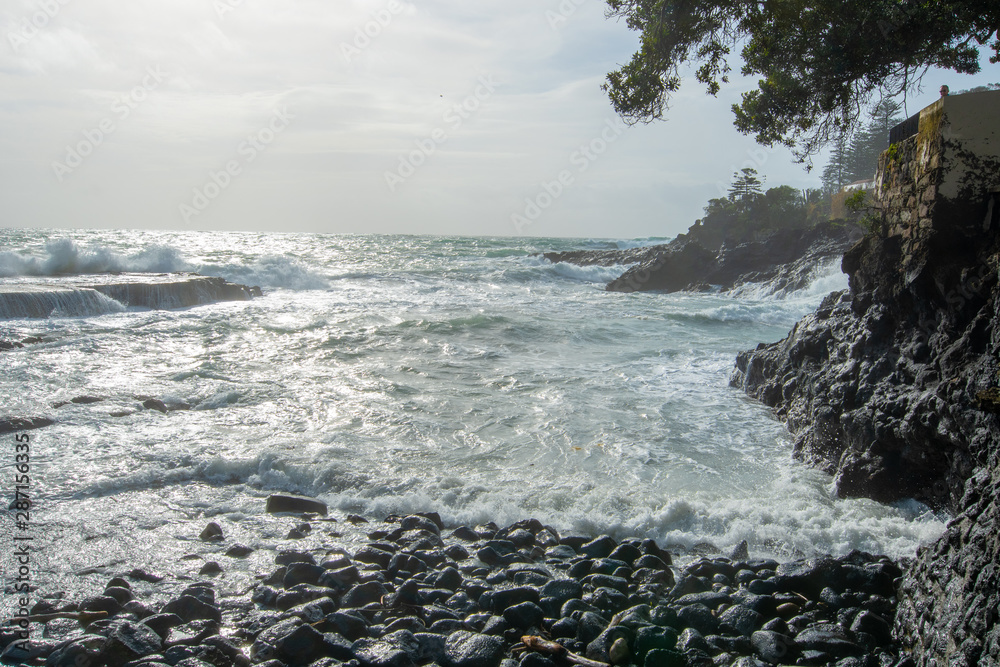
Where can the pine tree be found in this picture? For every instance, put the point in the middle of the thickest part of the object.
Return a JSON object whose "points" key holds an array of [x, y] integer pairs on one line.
{"points": [[855, 158], [835, 173], [745, 188]]}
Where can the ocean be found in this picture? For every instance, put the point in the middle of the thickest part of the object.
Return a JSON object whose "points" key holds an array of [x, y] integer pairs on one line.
{"points": [[391, 374]]}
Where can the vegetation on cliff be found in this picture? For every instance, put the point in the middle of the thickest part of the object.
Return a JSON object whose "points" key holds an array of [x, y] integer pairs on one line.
{"points": [[819, 63], [748, 213]]}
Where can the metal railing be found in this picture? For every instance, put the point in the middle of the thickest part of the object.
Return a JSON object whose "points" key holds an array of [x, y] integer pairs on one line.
{"points": [[905, 130]]}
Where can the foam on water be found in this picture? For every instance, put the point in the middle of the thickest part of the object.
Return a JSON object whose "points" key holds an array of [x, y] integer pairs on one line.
{"points": [[465, 376], [65, 257], [588, 274]]}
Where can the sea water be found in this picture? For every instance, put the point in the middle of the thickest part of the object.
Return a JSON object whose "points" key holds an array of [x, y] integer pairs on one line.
{"points": [[390, 374]]}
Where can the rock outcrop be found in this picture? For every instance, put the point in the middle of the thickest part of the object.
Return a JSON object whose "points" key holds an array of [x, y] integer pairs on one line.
{"points": [[785, 258], [789, 254], [892, 386], [115, 293]]}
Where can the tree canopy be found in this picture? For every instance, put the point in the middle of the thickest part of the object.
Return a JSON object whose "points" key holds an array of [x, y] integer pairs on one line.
{"points": [[856, 158], [820, 63]]}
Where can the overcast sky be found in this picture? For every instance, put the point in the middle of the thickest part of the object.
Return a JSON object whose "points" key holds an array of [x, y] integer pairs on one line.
{"points": [[351, 116]]}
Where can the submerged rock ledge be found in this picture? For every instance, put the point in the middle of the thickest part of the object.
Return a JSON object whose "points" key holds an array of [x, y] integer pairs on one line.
{"points": [[94, 295]]}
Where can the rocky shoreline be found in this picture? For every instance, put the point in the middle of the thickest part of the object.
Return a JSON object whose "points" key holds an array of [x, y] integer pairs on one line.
{"points": [[411, 592], [786, 259], [894, 387]]}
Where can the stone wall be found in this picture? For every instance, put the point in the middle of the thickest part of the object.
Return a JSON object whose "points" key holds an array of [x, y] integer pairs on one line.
{"points": [[906, 183], [942, 183]]}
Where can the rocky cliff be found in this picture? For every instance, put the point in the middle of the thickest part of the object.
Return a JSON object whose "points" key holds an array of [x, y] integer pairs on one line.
{"points": [[892, 386], [785, 258]]}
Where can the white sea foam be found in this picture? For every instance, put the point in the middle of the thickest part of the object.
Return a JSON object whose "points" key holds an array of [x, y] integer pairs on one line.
{"points": [[588, 274], [462, 376], [65, 257]]}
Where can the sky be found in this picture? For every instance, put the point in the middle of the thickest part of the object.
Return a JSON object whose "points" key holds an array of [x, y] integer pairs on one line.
{"points": [[442, 117]]}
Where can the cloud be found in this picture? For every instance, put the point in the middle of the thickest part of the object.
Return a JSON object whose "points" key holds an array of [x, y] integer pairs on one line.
{"points": [[369, 83]]}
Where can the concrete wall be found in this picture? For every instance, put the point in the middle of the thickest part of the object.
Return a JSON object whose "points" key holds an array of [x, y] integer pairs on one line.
{"points": [[970, 127]]}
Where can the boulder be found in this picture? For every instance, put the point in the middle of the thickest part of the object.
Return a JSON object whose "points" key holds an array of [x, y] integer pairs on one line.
{"points": [[280, 502]]}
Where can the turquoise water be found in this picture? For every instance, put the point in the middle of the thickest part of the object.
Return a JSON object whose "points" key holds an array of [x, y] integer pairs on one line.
{"points": [[466, 376]]}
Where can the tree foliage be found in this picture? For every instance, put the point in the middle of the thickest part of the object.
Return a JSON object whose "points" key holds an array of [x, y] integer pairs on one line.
{"points": [[856, 158], [820, 63], [748, 213], [746, 186]]}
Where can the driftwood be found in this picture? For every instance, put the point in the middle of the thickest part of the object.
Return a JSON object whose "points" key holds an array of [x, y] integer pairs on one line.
{"points": [[84, 617], [535, 643]]}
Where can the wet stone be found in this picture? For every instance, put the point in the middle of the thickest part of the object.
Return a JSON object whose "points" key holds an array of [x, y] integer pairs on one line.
{"points": [[699, 617], [651, 638], [524, 615], [690, 639], [467, 649], [191, 633], [710, 599], [363, 594], [598, 548], [562, 590], [627, 553], [121, 594], [343, 578], [374, 556], [874, 625], [210, 568], [128, 642], [665, 658], [504, 598], [828, 638], [347, 625], [294, 504], [211, 533], [302, 573], [238, 551], [590, 626], [742, 620], [465, 534], [774, 647], [190, 608], [288, 557], [560, 551]]}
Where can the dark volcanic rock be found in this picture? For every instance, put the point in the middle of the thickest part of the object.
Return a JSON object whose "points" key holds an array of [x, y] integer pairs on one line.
{"points": [[892, 387], [456, 614], [786, 258], [469, 649], [296, 504], [879, 386], [15, 424]]}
